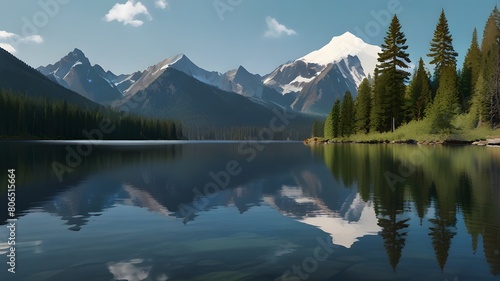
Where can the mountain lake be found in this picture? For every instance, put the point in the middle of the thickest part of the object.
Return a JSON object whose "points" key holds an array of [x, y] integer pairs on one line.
{"points": [[250, 211]]}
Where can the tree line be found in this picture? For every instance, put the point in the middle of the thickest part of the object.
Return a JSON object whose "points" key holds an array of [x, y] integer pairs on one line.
{"points": [[28, 117], [391, 99]]}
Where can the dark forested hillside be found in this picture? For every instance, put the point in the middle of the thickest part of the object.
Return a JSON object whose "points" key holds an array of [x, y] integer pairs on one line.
{"points": [[20, 78], [25, 117]]}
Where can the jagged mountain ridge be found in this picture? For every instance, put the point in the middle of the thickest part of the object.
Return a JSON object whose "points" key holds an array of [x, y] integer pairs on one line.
{"points": [[166, 92], [251, 86], [320, 93], [309, 84], [75, 72], [239, 81]]}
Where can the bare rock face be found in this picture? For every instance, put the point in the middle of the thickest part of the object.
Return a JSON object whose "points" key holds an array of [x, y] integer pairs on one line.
{"points": [[75, 72]]}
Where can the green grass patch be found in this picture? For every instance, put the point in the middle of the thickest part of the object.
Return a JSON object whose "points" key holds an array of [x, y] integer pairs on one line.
{"points": [[463, 130]]}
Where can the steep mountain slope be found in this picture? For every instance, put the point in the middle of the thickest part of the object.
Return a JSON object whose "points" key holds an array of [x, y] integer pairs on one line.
{"points": [[75, 72], [181, 63], [170, 93], [320, 93], [251, 86], [245, 83], [238, 81], [291, 77], [124, 83], [17, 76]]}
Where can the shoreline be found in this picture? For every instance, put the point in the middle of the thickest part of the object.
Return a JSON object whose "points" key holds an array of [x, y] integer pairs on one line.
{"points": [[493, 142]]}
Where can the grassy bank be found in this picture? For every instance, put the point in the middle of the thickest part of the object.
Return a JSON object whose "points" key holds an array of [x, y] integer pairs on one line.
{"points": [[420, 132]]}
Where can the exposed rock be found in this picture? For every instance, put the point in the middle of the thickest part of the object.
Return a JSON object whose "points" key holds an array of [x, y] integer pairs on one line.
{"points": [[493, 142]]}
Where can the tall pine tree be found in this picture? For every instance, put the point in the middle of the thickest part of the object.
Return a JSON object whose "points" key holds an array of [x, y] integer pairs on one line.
{"points": [[470, 72], [390, 83], [420, 95], [489, 51], [347, 115], [490, 35], [332, 122], [363, 107], [376, 114], [495, 92], [445, 106], [480, 103], [442, 52]]}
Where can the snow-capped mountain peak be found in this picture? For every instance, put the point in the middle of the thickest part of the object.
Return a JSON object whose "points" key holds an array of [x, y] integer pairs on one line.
{"points": [[324, 75], [340, 47]]}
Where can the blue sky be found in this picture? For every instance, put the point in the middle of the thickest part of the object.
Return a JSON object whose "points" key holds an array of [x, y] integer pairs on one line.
{"points": [[126, 36]]}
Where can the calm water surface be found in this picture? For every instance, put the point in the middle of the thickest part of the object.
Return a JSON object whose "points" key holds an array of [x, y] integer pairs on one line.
{"points": [[229, 211]]}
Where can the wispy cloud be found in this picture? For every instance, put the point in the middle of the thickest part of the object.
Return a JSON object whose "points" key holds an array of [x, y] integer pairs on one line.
{"points": [[9, 40], [127, 13], [6, 35], [276, 29], [32, 39], [161, 4]]}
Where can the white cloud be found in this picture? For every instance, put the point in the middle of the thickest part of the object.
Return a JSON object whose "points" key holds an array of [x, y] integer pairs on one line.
{"points": [[161, 4], [9, 41], [32, 39], [276, 29], [6, 35], [127, 13]]}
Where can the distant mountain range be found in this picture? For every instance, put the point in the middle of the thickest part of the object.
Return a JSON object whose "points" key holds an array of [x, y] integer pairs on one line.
{"points": [[238, 81], [309, 84], [177, 88]]}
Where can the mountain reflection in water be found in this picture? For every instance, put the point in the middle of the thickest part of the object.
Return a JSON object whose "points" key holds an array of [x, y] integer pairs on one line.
{"points": [[446, 206]]}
